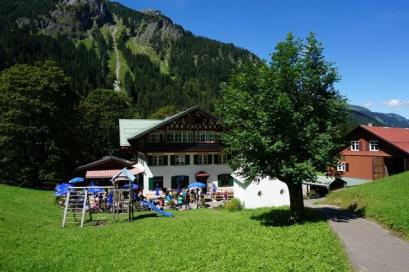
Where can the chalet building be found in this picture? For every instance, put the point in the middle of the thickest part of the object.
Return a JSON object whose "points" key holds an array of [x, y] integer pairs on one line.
{"points": [[375, 152], [177, 150]]}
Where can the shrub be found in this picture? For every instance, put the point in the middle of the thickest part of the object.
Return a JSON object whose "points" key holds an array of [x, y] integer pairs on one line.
{"points": [[233, 205]]}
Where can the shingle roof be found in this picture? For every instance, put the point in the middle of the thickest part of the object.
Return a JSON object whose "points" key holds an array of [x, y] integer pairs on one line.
{"points": [[399, 137]]}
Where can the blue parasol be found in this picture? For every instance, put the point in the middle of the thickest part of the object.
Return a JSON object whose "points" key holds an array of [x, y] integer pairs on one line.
{"points": [[95, 191], [134, 186], [76, 180], [61, 189], [196, 185]]}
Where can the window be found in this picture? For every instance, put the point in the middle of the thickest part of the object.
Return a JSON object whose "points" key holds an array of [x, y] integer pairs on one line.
{"points": [[341, 167], [374, 145], [155, 182], [179, 159], [179, 182], [354, 145], [170, 136], [157, 160], [178, 136], [225, 180], [205, 136], [188, 137], [155, 137], [201, 159], [220, 159]]}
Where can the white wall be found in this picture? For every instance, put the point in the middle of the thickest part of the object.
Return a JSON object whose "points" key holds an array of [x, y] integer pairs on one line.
{"points": [[181, 170], [264, 193]]}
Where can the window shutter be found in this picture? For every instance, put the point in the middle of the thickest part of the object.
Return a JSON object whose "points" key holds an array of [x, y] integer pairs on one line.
{"points": [[195, 159], [149, 160], [151, 185], [219, 181], [210, 159], [346, 167], [165, 160], [172, 160], [187, 159], [216, 158]]}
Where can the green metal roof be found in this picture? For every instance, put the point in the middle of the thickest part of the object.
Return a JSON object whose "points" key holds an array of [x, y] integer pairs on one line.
{"points": [[129, 128]]}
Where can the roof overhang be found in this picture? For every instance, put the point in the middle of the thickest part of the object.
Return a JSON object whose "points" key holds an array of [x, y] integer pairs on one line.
{"points": [[108, 174], [171, 119]]}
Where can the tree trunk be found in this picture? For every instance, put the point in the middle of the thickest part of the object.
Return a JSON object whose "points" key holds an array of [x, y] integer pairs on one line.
{"points": [[296, 201]]}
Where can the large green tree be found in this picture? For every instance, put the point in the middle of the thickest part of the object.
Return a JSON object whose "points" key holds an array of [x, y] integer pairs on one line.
{"points": [[285, 120], [100, 112], [35, 114]]}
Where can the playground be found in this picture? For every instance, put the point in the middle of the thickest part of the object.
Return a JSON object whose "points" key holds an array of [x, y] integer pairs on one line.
{"points": [[32, 239], [85, 203]]}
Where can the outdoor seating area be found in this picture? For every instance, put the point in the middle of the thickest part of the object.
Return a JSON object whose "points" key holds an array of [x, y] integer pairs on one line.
{"points": [[79, 197]]}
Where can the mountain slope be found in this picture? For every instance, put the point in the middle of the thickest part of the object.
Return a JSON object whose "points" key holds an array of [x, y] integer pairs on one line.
{"points": [[102, 44], [362, 116], [105, 44]]}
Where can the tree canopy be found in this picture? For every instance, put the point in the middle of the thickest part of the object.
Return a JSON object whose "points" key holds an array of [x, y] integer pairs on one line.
{"points": [[35, 103], [100, 112], [285, 120]]}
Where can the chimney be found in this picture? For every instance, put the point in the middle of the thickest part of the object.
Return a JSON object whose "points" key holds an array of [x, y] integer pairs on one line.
{"points": [[369, 124]]}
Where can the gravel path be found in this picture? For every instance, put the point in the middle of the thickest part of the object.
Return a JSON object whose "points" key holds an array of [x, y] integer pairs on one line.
{"points": [[369, 246]]}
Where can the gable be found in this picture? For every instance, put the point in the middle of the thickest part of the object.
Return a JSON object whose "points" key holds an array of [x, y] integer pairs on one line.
{"points": [[191, 119], [392, 141]]}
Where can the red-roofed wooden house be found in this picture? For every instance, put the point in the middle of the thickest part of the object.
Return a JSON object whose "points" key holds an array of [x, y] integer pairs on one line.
{"points": [[375, 152]]}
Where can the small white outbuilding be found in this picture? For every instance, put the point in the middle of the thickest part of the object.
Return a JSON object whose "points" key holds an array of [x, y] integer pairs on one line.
{"points": [[265, 192]]}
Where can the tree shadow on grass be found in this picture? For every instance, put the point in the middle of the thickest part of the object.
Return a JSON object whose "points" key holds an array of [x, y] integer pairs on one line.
{"points": [[341, 215], [281, 217], [144, 215]]}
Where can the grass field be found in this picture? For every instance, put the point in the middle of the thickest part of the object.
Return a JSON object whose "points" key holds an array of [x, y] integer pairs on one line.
{"points": [[201, 240], [385, 200]]}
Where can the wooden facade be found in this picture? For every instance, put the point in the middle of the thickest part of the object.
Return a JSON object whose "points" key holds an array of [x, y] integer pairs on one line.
{"points": [[189, 129], [371, 156]]}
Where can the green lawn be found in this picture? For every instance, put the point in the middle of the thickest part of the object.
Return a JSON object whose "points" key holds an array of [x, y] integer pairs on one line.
{"points": [[385, 200], [201, 240]]}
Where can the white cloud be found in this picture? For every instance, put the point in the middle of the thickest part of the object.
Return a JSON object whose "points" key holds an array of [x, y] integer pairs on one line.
{"points": [[396, 103]]}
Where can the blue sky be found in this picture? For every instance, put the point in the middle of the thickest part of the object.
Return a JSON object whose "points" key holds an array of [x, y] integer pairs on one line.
{"points": [[367, 40]]}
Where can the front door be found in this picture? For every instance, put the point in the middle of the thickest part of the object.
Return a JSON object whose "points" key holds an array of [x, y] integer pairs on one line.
{"points": [[378, 168]]}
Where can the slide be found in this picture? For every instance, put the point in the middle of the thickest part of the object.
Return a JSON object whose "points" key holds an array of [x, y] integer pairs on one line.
{"points": [[154, 208]]}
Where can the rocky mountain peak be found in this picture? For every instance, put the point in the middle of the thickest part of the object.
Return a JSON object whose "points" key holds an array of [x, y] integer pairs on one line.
{"points": [[152, 12], [78, 15]]}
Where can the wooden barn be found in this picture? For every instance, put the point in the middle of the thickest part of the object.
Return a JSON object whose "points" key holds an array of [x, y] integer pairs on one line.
{"points": [[375, 152]]}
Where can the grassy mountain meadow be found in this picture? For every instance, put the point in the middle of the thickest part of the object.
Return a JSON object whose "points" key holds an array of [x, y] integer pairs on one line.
{"points": [[383, 200]]}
